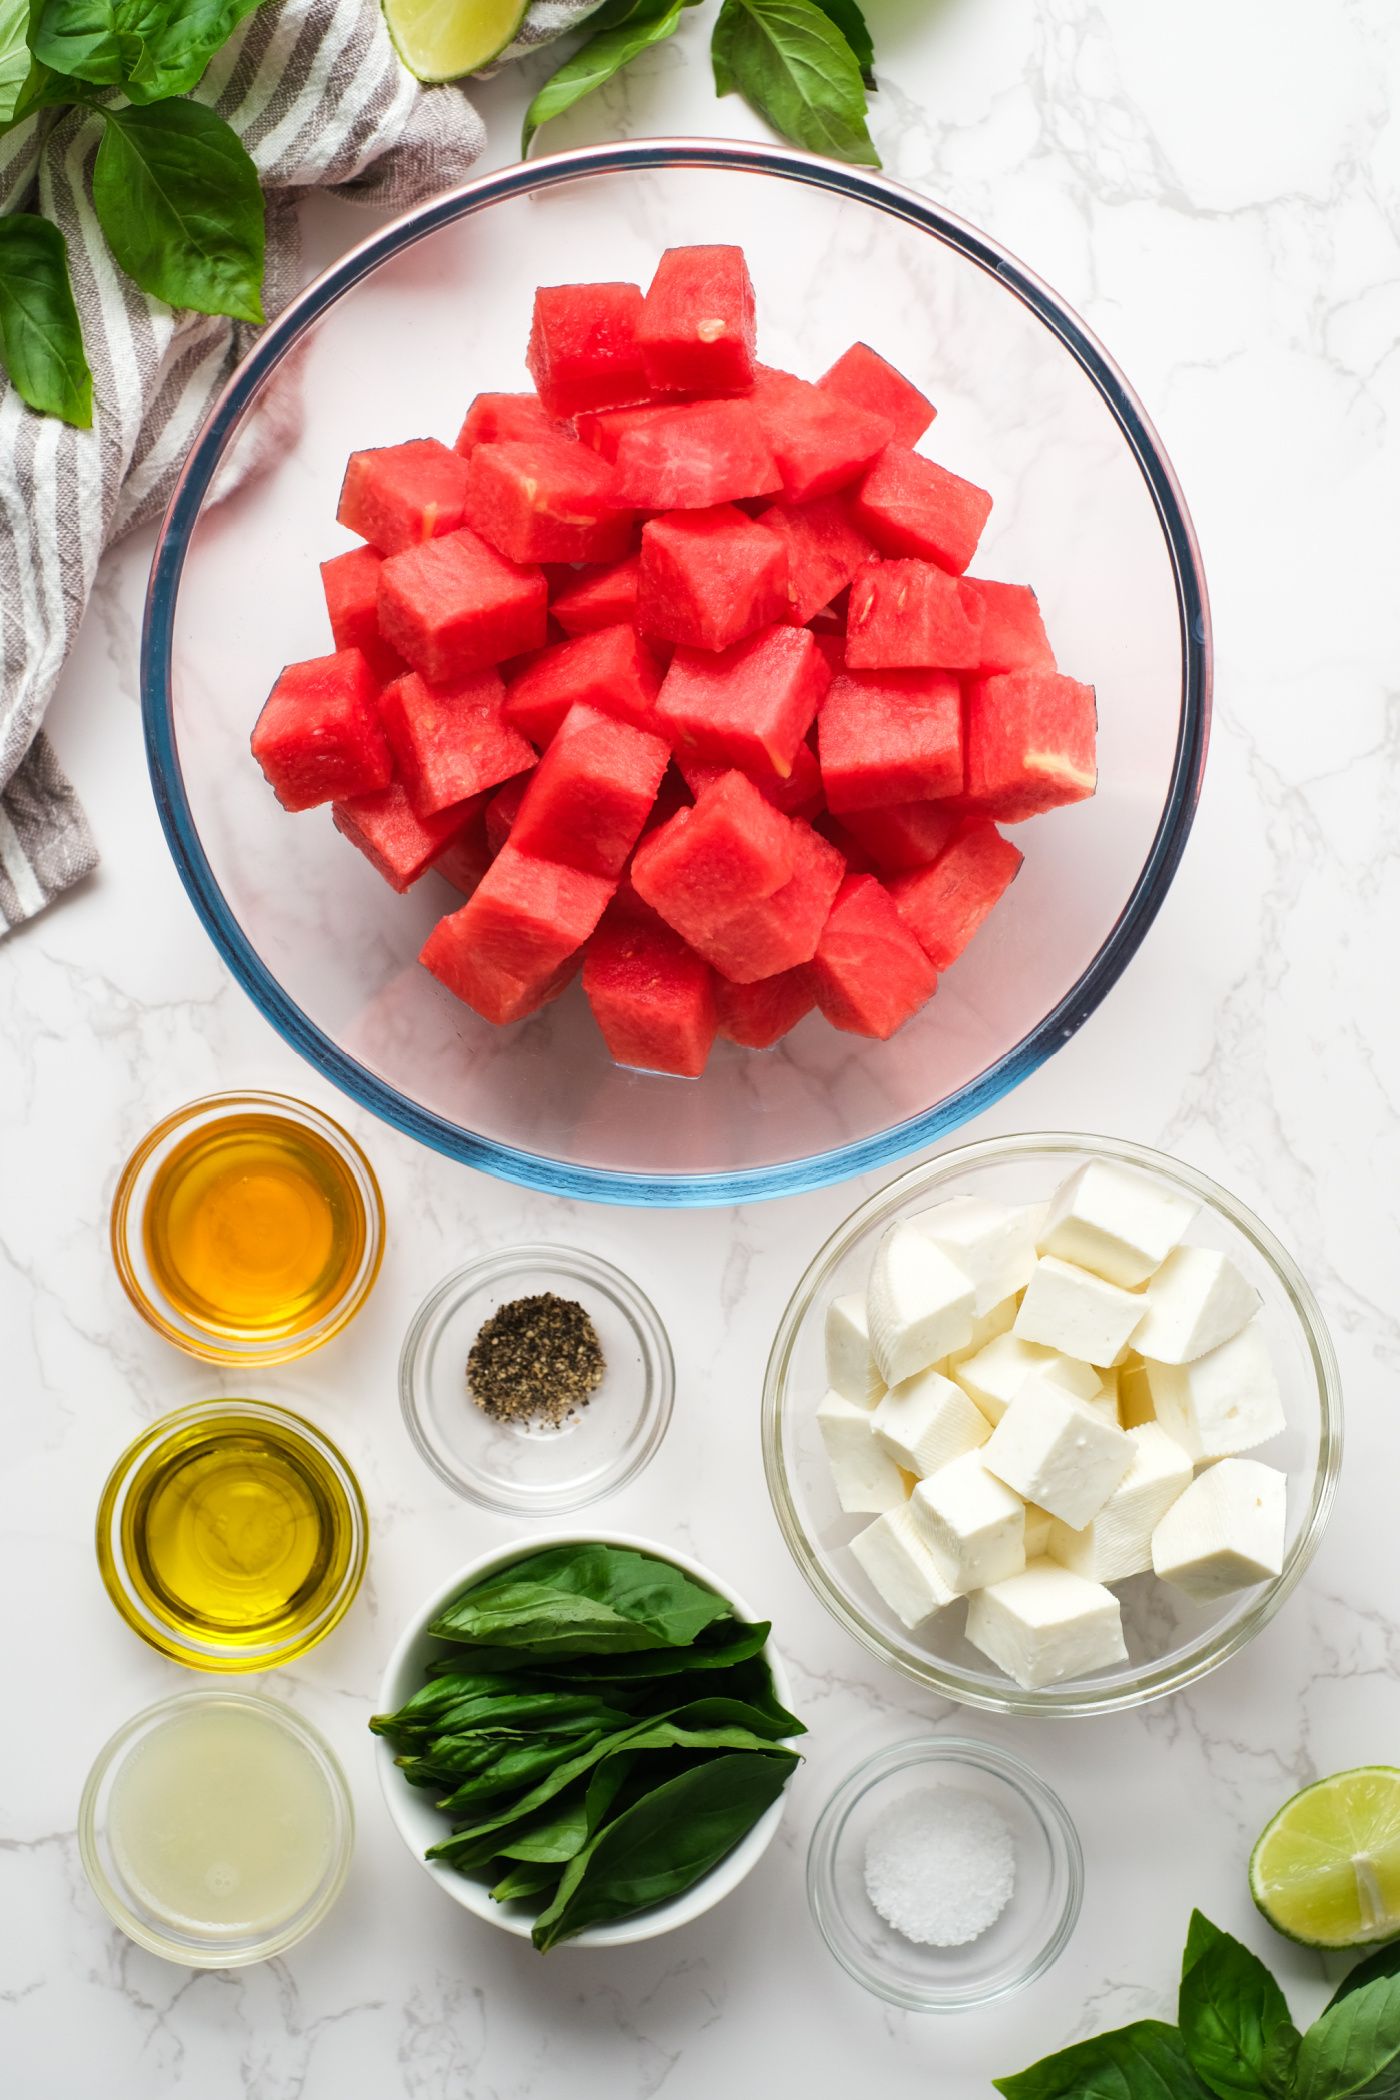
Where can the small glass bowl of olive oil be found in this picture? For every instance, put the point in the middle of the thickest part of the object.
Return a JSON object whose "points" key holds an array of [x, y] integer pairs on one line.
{"points": [[232, 1536], [248, 1228]]}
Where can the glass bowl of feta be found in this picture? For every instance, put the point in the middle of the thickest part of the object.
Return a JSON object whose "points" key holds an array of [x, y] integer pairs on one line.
{"points": [[1052, 1424]]}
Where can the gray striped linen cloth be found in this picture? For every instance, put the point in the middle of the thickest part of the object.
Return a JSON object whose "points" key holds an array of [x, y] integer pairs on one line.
{"points": [[318, 95]]}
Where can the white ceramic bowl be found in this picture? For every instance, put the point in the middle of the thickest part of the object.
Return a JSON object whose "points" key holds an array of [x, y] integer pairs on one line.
{"points": [[420, 1824]]}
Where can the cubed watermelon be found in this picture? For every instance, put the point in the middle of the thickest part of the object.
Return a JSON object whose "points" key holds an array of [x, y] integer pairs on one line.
{"points": [[465, 858], [450, 741], [605, 597], [319, 737], [757, 1015], [890, 736], [869, 972], [771, 934], [749, 705], [516, 943], [824, 551], [651, 995], [603, 429], [838, 834], [611, 669], [908, 614], [505, 419], [796, 794], [1013, 633], [456, 605], [400, 495], [730, 848], [820, 441], [943, 905], [548, 500], [903, 834], [709, 577], [698, 327], [694, 457], [909, 505], [502, 810], [396, 841], [351, 585], [863, 377], [589, 795], [1030, 744], [583, 347]]}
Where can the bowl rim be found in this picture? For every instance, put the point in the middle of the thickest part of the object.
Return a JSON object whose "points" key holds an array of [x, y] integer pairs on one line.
{"points": [[842, 1162], [926, 1750], [693, 1902], [1154, 1682]]}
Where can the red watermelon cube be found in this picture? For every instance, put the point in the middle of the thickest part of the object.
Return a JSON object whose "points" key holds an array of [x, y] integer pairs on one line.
{"points": [[450, 741], [456, 605], [651, 996], [319, 737], [709, 577], [863, 377], [1013, 633], [400, 495], [757, 1015], [890, 736], [583, 347], [611, 669], [903, 834], [515, 944], [730, 848], [605, 597], [396, 841], [589, 795], [693, 458], [798, 794], [820, 441], [837, 832], [824, 551], [351, 585], [549, 500], [603, 429], [505, 419], [869, 972], [1030, 744], [749, 705], [909, 505], [943, 905], [698, 327], [769, 935], [465, 858], [907, 614]]}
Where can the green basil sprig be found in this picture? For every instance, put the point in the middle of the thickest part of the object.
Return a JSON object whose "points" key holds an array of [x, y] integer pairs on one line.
{"points": [[620, 29], [1235, 2040], [41, 340]]}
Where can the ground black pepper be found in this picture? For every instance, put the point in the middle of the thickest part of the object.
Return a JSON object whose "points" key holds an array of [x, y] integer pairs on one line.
{"points": [[537, 1359]]}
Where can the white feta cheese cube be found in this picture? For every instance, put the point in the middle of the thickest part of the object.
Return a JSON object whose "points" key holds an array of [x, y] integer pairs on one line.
{"points": [[1118, 1222], [1118, 1541], [1047, 1625], [1075, 1311], [1134, 1395], [1196, 1301], [995, 1374], [919, 1304], [1039, 1525], [1224, 1402], [1105, 1406], [927, 1422], [1053, 1451], [1225, 1532], [997, 1321], [851, 1369], [901, 1567], [992, 1243], [972, 1524], [866, 1478]]}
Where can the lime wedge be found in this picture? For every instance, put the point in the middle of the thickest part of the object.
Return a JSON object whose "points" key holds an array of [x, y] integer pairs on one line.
{"points": [[442, 39], [1326, 1872]]}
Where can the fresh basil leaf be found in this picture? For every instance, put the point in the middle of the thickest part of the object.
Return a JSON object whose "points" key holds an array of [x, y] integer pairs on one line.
{"points": [[719, 1646], [584, 1599], [465, 1843], [1201, 1936], [151, 49], [1280, 2063], [1353, 2051], [1146, 2061], [565, 1832], [178, 199], [648, 22], [529, 1878], [518, 1768], [664, 1843], [15, 56], [1228, 2007], [788, 60], [41, 337], [854, 28], [1384, 1962]]}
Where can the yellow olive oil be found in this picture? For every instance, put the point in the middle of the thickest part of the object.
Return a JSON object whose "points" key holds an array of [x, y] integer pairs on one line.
{"points": [[254, 1227]]}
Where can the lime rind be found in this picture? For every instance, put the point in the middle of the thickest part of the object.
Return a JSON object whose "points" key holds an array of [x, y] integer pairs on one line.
{"points": [[440, 40], [1325, 1871]]}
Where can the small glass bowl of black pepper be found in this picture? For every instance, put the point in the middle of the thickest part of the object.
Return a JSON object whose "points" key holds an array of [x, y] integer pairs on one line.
{"points": [[536, 1380]]}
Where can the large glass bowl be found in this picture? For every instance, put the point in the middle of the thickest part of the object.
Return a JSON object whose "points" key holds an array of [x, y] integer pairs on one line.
{"points": [[1170, 1641], [392, 343]]}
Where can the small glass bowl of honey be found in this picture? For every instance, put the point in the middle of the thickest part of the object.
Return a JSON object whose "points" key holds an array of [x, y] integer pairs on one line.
{"points": [[232, 1536], [248, 1228]]}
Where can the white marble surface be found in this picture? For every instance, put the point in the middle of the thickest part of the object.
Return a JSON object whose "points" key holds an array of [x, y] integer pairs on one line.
{"points": [[1217, 189]]}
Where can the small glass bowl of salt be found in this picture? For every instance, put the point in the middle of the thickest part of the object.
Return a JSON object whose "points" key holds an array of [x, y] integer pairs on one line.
{"points": [[943, 1872]]}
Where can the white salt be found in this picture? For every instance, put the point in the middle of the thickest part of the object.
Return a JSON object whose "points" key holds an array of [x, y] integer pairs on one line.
{"points": [[940, 1866]]}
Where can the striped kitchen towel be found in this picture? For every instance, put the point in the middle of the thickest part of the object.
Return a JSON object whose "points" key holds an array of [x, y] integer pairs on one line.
{"points": [[317, 94]]}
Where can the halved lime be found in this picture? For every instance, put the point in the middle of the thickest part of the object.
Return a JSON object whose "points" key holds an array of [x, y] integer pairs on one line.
{"points": [[1326, 1872], [442, 39]]}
